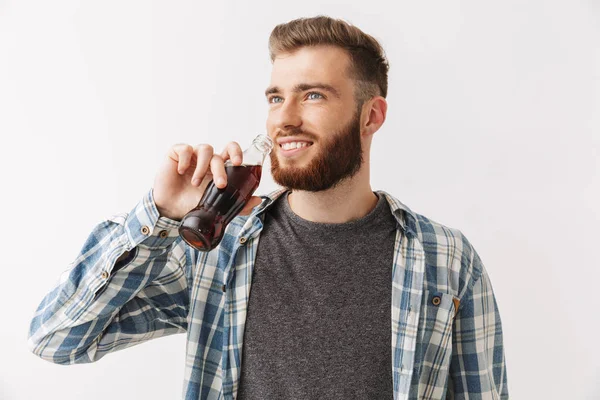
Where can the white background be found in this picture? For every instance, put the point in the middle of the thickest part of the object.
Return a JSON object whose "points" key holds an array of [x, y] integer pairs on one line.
{"points": [[493, 128]]}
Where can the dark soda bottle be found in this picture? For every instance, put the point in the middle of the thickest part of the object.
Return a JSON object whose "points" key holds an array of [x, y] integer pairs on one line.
{"points": [[203, 227]]}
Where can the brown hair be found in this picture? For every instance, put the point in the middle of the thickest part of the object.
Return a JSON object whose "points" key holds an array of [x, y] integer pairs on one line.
{"points": [[369, 66]]}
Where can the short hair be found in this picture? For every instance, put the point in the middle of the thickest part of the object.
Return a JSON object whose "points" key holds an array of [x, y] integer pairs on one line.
{"points": [[368, 63]]}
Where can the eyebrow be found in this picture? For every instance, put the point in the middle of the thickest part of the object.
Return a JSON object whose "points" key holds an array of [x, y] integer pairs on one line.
{"points": [[301, 87]]}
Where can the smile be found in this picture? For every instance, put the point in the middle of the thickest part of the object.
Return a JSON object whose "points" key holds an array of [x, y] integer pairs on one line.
{"points": [[293, 148]]}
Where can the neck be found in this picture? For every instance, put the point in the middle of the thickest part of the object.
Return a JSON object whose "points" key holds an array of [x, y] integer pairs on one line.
{"points": [[350, 200]]}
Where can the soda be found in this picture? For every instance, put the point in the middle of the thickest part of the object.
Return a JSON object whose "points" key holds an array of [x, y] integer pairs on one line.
{"points": [[203, 227]]}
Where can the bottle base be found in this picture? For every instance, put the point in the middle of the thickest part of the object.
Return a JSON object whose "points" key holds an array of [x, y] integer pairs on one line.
{"points": [[194, 239]]}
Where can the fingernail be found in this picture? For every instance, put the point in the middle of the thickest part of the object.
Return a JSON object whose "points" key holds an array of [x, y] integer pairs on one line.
{"points": [[220, 181], [237, 159], [195, 181]]}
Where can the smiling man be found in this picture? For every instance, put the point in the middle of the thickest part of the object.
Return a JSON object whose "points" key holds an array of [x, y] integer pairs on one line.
{"points": [[353, 295], [323, 289]]}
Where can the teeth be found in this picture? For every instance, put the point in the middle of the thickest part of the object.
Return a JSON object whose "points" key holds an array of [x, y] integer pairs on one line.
{"points": [[294, 145]]}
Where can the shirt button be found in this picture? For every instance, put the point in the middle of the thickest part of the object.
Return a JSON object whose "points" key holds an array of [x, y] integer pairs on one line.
{"points": [[163, 234], [145, 230], [436, 300], [243, 240], [104, 275]]}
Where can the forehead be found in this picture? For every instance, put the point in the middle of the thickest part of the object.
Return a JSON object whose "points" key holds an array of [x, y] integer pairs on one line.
{"points": [[323, 64]]}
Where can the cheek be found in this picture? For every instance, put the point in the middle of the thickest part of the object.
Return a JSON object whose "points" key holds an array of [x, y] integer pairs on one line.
{"points": [[273, 117], [323, 122], [269, 124]]}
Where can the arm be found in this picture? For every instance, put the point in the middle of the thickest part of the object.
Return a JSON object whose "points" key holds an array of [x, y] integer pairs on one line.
{"points": [[478, 366], [127, 285]]}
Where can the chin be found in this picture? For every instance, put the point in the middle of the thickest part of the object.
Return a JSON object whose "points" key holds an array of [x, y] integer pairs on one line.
{"points": [[293, 161]]}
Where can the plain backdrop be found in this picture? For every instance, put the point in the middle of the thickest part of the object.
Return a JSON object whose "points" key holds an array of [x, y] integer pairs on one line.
{"points": [[493, 128]]}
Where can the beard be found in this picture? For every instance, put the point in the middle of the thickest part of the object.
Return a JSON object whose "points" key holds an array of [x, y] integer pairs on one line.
{"points": [[339, 157]]}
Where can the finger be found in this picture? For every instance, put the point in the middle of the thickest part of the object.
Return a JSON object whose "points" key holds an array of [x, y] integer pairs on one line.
{"points": [[204, 153], [184, 154], [217, 167], [175, 153], [234, 152]]}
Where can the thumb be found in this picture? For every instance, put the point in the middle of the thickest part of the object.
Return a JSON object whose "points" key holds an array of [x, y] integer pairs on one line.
{"points": [[253, 202]]}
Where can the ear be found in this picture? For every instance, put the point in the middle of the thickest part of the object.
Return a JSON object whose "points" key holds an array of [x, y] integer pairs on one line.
{"points": [[375, 111]]}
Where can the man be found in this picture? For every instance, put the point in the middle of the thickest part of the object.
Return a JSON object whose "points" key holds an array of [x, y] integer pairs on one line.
{"points": [[323, 289]]}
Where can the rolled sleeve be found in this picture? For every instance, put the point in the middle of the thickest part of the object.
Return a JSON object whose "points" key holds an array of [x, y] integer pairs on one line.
{"points": [[114, 295], [144, 225]]}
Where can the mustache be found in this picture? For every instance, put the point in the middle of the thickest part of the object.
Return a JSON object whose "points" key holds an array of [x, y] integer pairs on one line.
{"points": [[279, 133]]}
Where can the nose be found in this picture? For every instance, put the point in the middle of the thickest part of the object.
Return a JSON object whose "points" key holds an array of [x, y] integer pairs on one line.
{"points": [[287, 116]]}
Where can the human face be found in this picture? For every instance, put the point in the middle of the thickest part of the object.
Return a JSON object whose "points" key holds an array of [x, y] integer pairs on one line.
{"points": [[311, 100]]}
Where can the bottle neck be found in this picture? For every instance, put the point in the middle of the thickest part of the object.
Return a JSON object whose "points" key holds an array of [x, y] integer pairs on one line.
{"points": [[263, 143], [255, 154]]}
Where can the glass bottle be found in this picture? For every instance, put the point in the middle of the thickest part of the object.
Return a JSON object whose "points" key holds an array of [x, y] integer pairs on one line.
{"points": [[203, 227]]}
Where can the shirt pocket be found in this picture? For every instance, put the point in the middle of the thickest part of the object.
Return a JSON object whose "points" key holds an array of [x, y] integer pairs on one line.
{"points": [[436, 321]]}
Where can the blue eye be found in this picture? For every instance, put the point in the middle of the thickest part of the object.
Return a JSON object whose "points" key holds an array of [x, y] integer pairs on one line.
{"points": [[272, 98], [318, 94]]}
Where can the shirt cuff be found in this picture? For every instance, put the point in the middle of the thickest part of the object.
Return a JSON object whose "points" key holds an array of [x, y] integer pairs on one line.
{"points": [[144, 225]]}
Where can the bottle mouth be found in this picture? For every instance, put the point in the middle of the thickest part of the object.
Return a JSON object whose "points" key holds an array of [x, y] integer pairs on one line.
{"points": [[264, 143]]}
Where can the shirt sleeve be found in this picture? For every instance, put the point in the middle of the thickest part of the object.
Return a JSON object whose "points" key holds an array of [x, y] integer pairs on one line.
{"points": [[478, 366], [127, 285]]}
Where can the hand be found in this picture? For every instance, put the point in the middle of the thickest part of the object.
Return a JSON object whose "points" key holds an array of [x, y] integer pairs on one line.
{"points": [[185, 174]]}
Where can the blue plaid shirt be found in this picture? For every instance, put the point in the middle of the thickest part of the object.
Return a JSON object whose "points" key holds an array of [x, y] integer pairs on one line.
{"points": [[135, 280]]}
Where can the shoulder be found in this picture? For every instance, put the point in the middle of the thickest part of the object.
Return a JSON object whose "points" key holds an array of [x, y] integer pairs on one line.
{"points": [[451, 261]]}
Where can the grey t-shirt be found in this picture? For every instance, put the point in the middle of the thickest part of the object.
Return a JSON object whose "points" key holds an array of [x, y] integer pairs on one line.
{"points": [[319, 314]]}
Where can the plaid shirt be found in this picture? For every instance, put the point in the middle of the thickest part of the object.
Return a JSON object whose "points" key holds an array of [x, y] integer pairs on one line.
{"points": [[135, 279]]}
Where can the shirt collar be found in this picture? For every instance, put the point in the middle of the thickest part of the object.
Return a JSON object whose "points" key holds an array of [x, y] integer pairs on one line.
{"points": [[406, 218]]}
